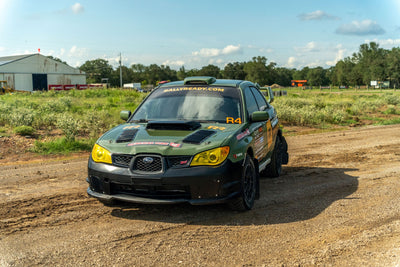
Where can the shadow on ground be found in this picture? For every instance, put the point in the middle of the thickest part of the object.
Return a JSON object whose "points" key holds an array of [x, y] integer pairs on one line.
{"points": [[301, 193]]}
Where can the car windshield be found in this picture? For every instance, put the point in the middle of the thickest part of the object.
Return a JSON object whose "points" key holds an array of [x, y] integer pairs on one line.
{"points": [[203, 104]]}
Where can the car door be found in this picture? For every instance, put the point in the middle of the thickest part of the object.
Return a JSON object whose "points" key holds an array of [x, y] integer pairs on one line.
{"points": [[264, 106], [258, 130]]}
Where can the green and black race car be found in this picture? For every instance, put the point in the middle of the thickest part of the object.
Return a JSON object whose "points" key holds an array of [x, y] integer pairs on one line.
{"points": [[201, 141]]}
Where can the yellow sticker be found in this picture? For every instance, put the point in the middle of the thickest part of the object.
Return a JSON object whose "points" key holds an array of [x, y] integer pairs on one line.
{"points": [[269, 134], [216, 128], [131, 127]]}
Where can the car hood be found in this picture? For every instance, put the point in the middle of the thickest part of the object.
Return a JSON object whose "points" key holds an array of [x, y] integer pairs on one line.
{"points": [[167, 138]]}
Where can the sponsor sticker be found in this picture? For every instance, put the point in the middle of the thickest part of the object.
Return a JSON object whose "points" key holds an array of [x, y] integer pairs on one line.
{"points": [[151, 143], [243, 134], [199, 88]]}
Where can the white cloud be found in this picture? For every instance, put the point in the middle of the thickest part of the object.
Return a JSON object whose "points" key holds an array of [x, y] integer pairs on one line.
{"points": [[231, 49], [207, 52], [291, 62], [309, 47], [76, 52], [77, 8], [266, 50], [339, 55], [361, 28], [387, 44], [317, 15], [214, 52], [170, 63]]}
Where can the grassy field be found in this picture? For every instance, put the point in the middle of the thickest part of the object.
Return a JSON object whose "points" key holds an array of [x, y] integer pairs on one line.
{"points": [[67, 121], [64, 121], [325, 109]]}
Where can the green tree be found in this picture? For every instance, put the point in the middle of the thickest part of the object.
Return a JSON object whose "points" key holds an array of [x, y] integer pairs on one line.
{"points": [[127, 76], [284, 76], [393, 66], [96, 69], [57, 59], [317, 77], [256, 70], [155, 73], [181, 74], [138, 72], [210, 70], [234, 71], [370, 61], [301, 74]]}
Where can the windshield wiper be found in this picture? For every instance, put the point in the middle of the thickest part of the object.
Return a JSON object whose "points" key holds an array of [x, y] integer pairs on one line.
{"points": [[208, 121], [140, 121]]}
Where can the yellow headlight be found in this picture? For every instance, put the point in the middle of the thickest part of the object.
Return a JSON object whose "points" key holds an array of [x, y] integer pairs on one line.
{"points": [[100, 154], [211, 157]]}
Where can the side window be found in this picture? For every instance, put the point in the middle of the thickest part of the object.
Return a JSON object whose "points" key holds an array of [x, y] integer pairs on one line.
{"points": [[261, 102], [251, 103]]}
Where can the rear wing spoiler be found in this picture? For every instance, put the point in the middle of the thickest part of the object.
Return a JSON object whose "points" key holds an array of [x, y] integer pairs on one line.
{"points": [[267, 92]]}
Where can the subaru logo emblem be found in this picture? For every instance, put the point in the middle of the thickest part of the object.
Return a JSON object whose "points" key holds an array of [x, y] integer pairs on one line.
{"points": [[148, 160]]}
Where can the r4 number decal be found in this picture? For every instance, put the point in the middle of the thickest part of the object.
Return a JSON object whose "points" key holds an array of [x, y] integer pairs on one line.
{"points": [[233, 120]]}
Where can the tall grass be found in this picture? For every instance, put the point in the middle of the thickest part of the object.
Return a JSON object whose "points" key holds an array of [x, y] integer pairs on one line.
{"points": [[76, 114], [78, 118], [321, 109]]}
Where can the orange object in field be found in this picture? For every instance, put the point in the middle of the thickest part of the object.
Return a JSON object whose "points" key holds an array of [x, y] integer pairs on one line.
{"points": [[298, 83]]}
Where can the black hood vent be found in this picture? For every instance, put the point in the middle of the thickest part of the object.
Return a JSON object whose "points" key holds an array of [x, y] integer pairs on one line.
{"points": [[198, 137], [127, 136], [173, 125]]}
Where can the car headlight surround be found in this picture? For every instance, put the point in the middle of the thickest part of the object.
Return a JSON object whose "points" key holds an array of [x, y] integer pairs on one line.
{"points": [[212, 157], [100, 154]]}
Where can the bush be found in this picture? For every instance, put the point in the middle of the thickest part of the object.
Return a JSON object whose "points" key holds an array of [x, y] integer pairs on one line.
{"points": [[69, 125], [24, 130], [62, 146]]}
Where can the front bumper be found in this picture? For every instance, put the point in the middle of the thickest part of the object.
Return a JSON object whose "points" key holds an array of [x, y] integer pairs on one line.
{"points": [[195, 185]]}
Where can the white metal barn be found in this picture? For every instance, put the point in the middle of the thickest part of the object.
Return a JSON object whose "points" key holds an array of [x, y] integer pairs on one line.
{"points": [[36, 72]]}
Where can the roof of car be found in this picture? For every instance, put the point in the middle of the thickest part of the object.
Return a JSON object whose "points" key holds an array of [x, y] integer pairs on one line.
{"points": [[204, 80]]}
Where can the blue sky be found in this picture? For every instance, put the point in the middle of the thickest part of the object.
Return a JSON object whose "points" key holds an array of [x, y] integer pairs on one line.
{"points": [[194, 34]]}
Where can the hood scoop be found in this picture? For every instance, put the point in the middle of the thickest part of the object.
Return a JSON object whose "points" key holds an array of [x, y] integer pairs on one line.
{"points": [[198, 137], [127, 136], [173, 125]]}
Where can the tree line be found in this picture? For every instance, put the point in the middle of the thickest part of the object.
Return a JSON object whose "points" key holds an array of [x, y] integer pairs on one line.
{"points": [[370, 63]]}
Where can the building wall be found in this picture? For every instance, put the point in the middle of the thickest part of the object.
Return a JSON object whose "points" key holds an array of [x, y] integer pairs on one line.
{"points": [[66, 79], [18, 73], [23, 82]]}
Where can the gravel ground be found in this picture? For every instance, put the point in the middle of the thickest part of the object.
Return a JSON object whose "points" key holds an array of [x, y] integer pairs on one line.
{"points": [[336, 204]]}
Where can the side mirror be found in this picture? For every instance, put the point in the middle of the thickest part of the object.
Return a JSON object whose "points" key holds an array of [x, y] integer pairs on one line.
{"points": [[270, 95], [267, 91], [125, 114], [259, 116]]}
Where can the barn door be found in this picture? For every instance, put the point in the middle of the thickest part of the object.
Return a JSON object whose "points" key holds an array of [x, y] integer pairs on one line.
{"points": [[39, 82]]}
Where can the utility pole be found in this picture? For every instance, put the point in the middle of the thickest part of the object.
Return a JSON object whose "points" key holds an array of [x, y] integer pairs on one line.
{"points": [[120, 70]]}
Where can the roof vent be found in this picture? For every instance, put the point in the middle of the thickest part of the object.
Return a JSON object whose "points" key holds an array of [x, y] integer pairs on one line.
{"points": [[205, 80]]}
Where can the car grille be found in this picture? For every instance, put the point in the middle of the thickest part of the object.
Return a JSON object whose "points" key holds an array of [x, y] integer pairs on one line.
{"points": [[156, 192], [180, 161], [122, 160], [147, 163]]}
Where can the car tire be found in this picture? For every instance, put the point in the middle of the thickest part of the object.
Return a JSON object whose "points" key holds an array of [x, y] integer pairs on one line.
{"points": [[279, 157], [248, 187]]}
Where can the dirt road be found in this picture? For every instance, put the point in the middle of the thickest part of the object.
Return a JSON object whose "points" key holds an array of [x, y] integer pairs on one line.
{"points": [[338, 203]]}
